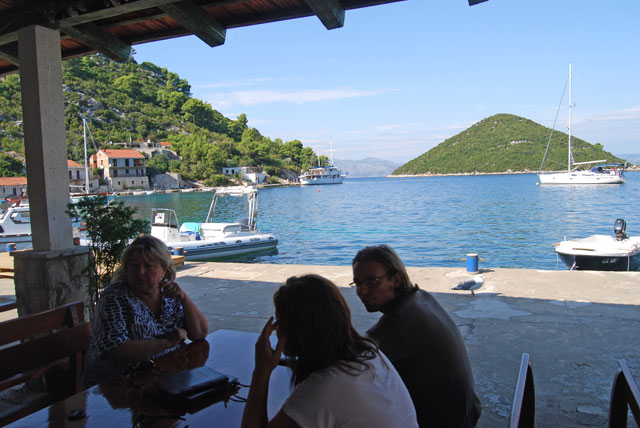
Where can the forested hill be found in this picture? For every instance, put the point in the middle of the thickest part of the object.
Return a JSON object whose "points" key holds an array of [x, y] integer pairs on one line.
{"points": [[127, 101], [503, 143]]}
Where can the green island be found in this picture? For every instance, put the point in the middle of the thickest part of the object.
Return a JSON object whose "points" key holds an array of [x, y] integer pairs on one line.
{"points": [[127, 101], [503, 143]]}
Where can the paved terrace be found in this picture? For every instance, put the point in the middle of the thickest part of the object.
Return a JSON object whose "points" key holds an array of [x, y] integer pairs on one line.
{"points": [[574, 325]]}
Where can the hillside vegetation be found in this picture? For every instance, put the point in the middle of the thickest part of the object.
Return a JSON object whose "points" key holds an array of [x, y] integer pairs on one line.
{"points": [[503, 143], [127, 101]]}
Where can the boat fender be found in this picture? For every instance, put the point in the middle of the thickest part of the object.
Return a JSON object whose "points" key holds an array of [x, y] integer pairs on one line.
{"points": [[198, 238]]}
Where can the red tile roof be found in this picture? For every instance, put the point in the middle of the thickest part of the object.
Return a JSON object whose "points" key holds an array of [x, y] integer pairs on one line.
{"points": [[13, 181], [73, 164], [165, 144], [125, 153]]}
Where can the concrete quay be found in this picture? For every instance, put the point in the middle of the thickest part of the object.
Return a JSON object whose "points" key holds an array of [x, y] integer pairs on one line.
{"points": [[574, 325]]}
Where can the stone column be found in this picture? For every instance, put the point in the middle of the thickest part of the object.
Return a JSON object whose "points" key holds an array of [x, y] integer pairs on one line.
{"points": [[50, 274], [45, 137], [46, 279]]}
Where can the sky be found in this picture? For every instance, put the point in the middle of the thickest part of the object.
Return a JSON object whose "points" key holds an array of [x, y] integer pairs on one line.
{"points": [[398, 79]]}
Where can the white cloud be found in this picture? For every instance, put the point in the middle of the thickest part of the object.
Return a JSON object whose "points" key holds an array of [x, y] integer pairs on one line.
{"points": [[390, 127], [242, 82], [221, 100], [631, 113]]}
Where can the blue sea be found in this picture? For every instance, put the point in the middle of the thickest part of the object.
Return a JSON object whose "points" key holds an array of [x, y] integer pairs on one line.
{"points": [[509, 220]]}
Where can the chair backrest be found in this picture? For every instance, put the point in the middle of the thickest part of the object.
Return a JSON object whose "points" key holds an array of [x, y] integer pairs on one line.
{"points": [[625, 395], [524, 401], [48, 343]]}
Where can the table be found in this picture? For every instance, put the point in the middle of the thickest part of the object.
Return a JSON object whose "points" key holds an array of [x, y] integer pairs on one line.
{"points": [[117, 401]]}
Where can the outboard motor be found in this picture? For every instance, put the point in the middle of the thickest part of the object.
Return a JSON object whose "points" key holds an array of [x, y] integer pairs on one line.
{"points": [[619, 229]]}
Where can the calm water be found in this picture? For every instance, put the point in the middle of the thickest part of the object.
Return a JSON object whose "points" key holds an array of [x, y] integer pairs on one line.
{"points": [[430, 221]]}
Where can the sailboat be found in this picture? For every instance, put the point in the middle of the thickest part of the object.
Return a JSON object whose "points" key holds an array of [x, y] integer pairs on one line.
{"points": [[322, 174], [601, 173]]}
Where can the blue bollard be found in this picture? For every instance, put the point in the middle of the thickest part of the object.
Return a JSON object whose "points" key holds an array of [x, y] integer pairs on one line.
{"points": [[11, 247], [178, 251], [472, 263]]}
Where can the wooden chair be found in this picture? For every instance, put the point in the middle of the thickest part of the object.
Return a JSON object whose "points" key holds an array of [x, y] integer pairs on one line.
{"points": [[524, 401], [624, 395], [46, 344], [8, 305]]}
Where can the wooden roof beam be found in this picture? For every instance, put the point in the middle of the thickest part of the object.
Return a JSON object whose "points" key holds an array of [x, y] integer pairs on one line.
{"points": [[330, 12], [99, 40], [9, 53], [196, 20]]}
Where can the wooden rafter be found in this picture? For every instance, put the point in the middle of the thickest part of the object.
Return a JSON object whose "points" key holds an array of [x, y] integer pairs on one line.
{"points": [[197, 21], [99, 40], [9, 52], [330, 12]]}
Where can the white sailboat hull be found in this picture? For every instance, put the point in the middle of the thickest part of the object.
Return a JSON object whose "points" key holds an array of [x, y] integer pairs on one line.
{"points": [[599, 174], [580, 177]]}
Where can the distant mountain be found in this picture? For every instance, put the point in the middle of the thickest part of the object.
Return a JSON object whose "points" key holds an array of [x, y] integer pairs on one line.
{"points": [[503, 143], [367, 167], [632, 158]]}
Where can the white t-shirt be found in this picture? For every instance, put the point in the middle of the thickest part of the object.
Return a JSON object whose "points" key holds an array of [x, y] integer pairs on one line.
{"points": [[374, 397]]}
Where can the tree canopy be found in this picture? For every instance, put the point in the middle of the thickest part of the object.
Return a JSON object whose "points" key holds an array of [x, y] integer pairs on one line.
{"points": [[128, 101]]}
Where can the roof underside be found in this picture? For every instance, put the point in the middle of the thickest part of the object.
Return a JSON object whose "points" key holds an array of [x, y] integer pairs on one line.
{"points": [[111, 27]]}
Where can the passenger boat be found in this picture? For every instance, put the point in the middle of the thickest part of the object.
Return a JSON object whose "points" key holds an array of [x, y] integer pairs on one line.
{"points": [[322, 174], [599, 174], [602, 252], [212, 239]]}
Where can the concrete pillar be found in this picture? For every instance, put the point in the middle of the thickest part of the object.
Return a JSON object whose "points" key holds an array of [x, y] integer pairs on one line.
{"points": [[52, 273], [46, 279], [45, 137]]}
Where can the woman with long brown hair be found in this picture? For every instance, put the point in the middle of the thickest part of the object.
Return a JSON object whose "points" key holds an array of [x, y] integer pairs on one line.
{"points": [[340, 378]]}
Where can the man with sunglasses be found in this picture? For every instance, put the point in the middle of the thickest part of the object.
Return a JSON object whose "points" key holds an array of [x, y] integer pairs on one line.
{"points": [[419, 338]]}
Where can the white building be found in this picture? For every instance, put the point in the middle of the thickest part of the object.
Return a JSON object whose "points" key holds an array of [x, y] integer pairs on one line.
{"points": [[77, 178], [248, 173]]}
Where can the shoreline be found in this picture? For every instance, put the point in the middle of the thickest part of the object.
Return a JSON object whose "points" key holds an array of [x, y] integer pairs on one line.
{"points": [[454, 174]]}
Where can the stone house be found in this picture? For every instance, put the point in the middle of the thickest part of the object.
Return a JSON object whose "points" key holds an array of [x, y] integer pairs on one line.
{"points": [[123, 169]]}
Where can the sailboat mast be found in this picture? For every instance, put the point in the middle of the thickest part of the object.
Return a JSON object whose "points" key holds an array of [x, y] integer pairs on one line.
{"points": [[86, 165], [569, 158], [331, 150]]}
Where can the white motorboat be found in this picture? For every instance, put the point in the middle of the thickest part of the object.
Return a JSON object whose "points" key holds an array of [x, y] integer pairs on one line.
{"points": [[599, 174], [602, 252], [211, 239], [15, 224]]}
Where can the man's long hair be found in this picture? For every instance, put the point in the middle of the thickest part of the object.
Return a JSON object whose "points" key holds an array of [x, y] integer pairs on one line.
{"points": [[385, 256], [316, 321]]}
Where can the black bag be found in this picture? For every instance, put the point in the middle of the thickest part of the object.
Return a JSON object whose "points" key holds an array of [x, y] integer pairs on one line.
{"points": [[194, 384]]}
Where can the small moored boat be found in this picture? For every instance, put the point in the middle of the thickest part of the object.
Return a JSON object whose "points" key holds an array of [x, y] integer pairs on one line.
{"points": [[211, 239], [15, 224], [602, 252]]}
